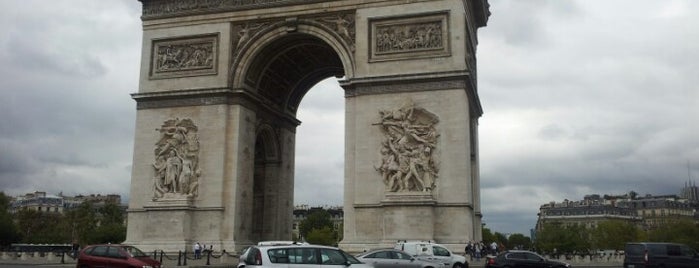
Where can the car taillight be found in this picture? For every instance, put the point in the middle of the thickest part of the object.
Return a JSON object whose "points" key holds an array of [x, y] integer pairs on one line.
{"points": [[258, 258], [491, 261], [645, 256]]}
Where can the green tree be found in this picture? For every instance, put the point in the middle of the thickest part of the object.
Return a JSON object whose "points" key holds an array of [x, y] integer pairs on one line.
{"points": [[562, 238], [317, 219], [38, 227], [679, 231], [614, 234], [323, 236], [8, 231], [111, 227], [519, 240], [82, 222], [487, 235], [501, 239]]}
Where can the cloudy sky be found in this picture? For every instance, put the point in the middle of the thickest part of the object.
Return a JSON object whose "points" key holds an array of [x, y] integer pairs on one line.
{"points": [[580, 97]]}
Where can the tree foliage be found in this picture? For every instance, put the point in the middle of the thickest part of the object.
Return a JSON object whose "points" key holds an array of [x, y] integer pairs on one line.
{"points": [[324, 236], [318, 228], [8, 231], [679, 231], [317, 219], [487, 235], [83, 225], [561, 238], [614, 234], [519, 241]]}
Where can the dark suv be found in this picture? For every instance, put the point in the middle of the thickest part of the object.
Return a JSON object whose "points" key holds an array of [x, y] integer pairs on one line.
{"points": [[114, 255], [522, 258], [667, 255]]}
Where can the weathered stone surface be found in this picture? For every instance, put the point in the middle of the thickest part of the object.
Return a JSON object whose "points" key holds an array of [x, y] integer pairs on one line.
{"points": [[236, 71]]}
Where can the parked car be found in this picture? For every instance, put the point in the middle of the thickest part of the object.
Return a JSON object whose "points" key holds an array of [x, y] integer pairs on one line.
{"points": [[114, 255], [432, 252], [244, 252], [299, 256], [522, 258], [667, 255], [393, 258]]}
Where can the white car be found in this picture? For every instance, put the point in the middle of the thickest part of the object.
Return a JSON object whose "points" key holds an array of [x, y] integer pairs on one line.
{"points": [[298, 256], [432, 252]]}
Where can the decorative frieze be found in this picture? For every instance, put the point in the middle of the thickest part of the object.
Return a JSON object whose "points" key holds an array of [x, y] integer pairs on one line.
{"points": [[176, 166], [187, 56], [153, 9], [409, 37], [410, 139]]}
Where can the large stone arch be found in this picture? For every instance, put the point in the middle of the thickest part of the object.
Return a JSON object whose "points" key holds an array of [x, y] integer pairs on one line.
{"points": [[220, 85]]}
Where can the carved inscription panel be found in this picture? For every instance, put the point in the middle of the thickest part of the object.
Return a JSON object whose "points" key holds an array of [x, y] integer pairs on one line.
{"points": [[409, 37], [190, 56]]}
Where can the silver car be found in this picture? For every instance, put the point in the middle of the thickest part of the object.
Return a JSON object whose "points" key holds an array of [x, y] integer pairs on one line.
{"points": [[299, 256], [394, 258]]}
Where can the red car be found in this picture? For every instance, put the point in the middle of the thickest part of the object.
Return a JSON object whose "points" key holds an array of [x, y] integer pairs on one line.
{"points": [[114, 255]]}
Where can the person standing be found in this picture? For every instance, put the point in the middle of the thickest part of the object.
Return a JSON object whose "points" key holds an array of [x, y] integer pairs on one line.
{"points": [[197, 250]]}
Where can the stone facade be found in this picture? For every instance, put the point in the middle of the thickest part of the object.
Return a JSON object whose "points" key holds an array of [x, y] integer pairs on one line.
{"points": [[220, 85], [647, 212]]}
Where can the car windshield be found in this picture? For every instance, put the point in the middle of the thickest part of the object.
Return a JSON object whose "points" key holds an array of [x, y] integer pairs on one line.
{"points": [[134, 252]]}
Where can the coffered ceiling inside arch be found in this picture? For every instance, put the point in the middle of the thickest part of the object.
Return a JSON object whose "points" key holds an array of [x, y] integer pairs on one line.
{"points": [[287, 68]]}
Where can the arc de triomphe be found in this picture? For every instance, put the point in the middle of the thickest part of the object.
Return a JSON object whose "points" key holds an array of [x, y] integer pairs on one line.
{"points": [[221, 81]]}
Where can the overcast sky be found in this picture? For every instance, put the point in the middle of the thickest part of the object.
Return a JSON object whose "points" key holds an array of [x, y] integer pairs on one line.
{"points": [[580, 97]]}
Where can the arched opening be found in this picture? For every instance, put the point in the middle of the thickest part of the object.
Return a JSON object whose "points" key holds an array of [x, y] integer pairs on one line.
{"points": [[281, 74], [288, 67]]}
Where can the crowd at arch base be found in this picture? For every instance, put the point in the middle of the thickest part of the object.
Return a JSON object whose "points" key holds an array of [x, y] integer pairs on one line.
{"points": [[478, 250], [198, 249]]}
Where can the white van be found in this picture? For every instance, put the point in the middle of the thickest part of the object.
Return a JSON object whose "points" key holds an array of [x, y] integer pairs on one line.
{"points": [[428, 251]]}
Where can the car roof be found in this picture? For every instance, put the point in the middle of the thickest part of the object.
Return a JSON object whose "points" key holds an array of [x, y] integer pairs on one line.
{"points": [[280, 243], [111, 245], [294, 245], [380, 249]]}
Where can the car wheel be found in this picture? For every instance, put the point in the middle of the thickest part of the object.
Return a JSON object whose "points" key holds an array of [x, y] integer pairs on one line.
{"points": [[459, 265]]}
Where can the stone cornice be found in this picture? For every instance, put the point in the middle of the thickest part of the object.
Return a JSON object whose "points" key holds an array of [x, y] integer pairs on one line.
{"points": [[157, 9], [482, 12], [212, 96], [415, 83], [431, 203]]}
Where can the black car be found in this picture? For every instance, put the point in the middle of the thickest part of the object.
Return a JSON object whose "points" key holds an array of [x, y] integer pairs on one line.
{"points": [[521, 259], [668, 255]]}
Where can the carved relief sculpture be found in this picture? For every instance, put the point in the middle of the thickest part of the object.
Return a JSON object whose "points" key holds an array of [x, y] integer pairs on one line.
{"points": [[343, 25], [409, 37], [410, 139], [184, 57], [176, 160]]}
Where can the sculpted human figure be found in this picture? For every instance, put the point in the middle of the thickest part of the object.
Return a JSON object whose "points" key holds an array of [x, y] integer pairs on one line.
{"points": [[176, 167], [407, 163], [342, 26], [159, 178], [413, 175], [244, 34], [185, 175], [172, 171]]}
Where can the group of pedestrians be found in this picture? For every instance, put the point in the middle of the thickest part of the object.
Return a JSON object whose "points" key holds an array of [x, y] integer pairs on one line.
{"points": [[198, 249], [480, 249]]}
